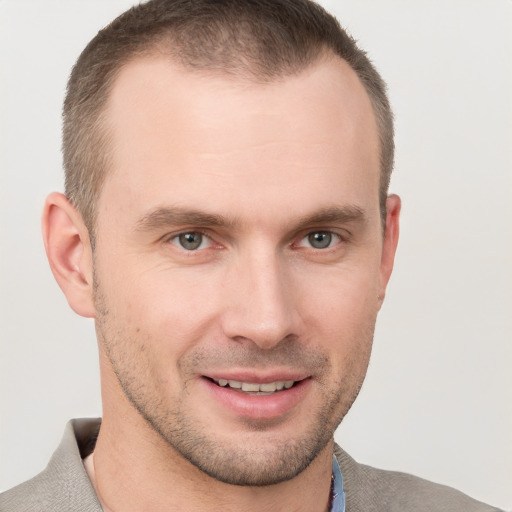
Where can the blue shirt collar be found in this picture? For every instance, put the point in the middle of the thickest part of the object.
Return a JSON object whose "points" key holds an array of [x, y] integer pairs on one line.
{"points": [[338, 494]]}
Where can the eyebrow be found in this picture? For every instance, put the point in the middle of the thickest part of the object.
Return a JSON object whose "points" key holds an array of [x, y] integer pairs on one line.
{"points": [[349, 214], [163, 217], [174, 216]]}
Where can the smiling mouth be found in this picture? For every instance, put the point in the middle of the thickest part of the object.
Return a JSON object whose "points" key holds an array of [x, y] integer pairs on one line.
{"points": [[253, 388]]}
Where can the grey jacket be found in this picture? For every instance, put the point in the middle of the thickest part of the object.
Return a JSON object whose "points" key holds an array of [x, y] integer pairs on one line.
{"points": [[65, 487]]}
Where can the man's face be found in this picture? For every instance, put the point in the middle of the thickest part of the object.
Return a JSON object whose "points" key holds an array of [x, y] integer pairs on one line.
{"points": [[239, 244]]}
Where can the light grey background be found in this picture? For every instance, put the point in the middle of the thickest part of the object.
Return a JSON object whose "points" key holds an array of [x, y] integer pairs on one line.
{"points": [[438, 398]]}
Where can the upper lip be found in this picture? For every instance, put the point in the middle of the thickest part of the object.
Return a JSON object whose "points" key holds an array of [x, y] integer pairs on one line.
{"points": [[258, 377]]}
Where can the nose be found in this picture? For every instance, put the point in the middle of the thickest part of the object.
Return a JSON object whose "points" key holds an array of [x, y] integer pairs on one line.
{"points": [[261, 301]]}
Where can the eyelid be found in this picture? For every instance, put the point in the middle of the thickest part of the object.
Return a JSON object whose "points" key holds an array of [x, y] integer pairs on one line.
{"points": [[204, 243], [170, 238], [340, 236]]}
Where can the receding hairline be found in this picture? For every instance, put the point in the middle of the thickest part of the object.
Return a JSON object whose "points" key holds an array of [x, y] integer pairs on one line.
{"points": [[230, 79], [245, 74]]}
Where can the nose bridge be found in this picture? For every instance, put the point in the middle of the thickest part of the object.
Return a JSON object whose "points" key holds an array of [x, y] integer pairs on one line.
{"points": [[261, 306]]}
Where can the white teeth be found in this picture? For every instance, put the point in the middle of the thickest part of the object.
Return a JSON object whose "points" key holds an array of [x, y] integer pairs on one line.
{"points": [[268, 387], [250, 387]]}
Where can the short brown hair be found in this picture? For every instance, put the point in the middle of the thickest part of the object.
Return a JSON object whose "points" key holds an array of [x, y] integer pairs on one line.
{"points": [[256, 39]]}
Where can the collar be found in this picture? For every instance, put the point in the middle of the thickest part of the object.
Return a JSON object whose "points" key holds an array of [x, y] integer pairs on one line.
{"points": [[338, 494]]}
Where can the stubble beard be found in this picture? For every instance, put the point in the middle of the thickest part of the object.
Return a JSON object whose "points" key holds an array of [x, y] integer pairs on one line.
{"points": [[268, 459]]}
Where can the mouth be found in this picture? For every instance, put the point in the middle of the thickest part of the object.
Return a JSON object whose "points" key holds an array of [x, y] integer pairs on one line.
{"points": [[256, 397], [253, 388]]}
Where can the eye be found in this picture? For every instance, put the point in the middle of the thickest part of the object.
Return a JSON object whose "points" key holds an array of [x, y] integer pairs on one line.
{"points": [[191, 241], [320, 240]]}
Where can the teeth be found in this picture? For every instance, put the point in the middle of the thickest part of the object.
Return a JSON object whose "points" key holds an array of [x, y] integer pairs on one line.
{"points": [[268, 387], [250, 387]]}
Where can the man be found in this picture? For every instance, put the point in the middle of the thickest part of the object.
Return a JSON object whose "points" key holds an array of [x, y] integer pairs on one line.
{"points": [[227, 225]]}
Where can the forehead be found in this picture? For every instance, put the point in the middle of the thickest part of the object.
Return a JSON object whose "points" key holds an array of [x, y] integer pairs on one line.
{"points": [[173, 131]]}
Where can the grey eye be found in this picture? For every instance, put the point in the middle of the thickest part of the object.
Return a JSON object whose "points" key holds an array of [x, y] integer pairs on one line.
{"points": [[190, 241], [320, 239]]}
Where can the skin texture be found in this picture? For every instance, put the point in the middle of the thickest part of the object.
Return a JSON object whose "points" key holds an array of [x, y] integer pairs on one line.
{"points": [[256, 171]]}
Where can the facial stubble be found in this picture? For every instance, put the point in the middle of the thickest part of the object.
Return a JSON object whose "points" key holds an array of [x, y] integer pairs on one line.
{"points": [[261, 457]]}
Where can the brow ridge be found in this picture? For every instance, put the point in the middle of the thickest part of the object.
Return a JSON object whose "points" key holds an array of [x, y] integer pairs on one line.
{"points": [[168, 216]]}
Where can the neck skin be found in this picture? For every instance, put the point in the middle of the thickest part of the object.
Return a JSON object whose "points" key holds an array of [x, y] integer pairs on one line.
{"points": [[136, 470]]}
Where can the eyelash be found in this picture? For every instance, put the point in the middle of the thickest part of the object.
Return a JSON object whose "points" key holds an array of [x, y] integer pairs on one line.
{"points": [[178, 241], [331, 237], [175, 239]]}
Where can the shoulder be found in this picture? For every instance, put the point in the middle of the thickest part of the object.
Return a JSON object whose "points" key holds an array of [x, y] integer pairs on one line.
{"points": [[64, 484], [369, 489]]}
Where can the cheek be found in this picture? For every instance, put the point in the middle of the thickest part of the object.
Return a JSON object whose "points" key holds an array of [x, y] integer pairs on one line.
{"points": [[167, 311], [341, 299], [340, 316]]}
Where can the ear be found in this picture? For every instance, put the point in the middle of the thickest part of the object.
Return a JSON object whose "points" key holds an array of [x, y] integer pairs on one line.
{"points": [[68, 248], [393, 206]]}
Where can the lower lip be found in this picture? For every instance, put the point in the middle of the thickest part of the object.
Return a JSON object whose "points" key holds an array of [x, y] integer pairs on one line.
{"points": [[264, 407]]}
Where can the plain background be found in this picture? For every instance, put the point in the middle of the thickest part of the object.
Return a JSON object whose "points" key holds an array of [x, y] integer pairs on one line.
{"points": [[438, 398]]}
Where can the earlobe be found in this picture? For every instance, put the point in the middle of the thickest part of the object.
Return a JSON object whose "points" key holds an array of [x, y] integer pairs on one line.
{"points": [[390, 242], [68, 248]]}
